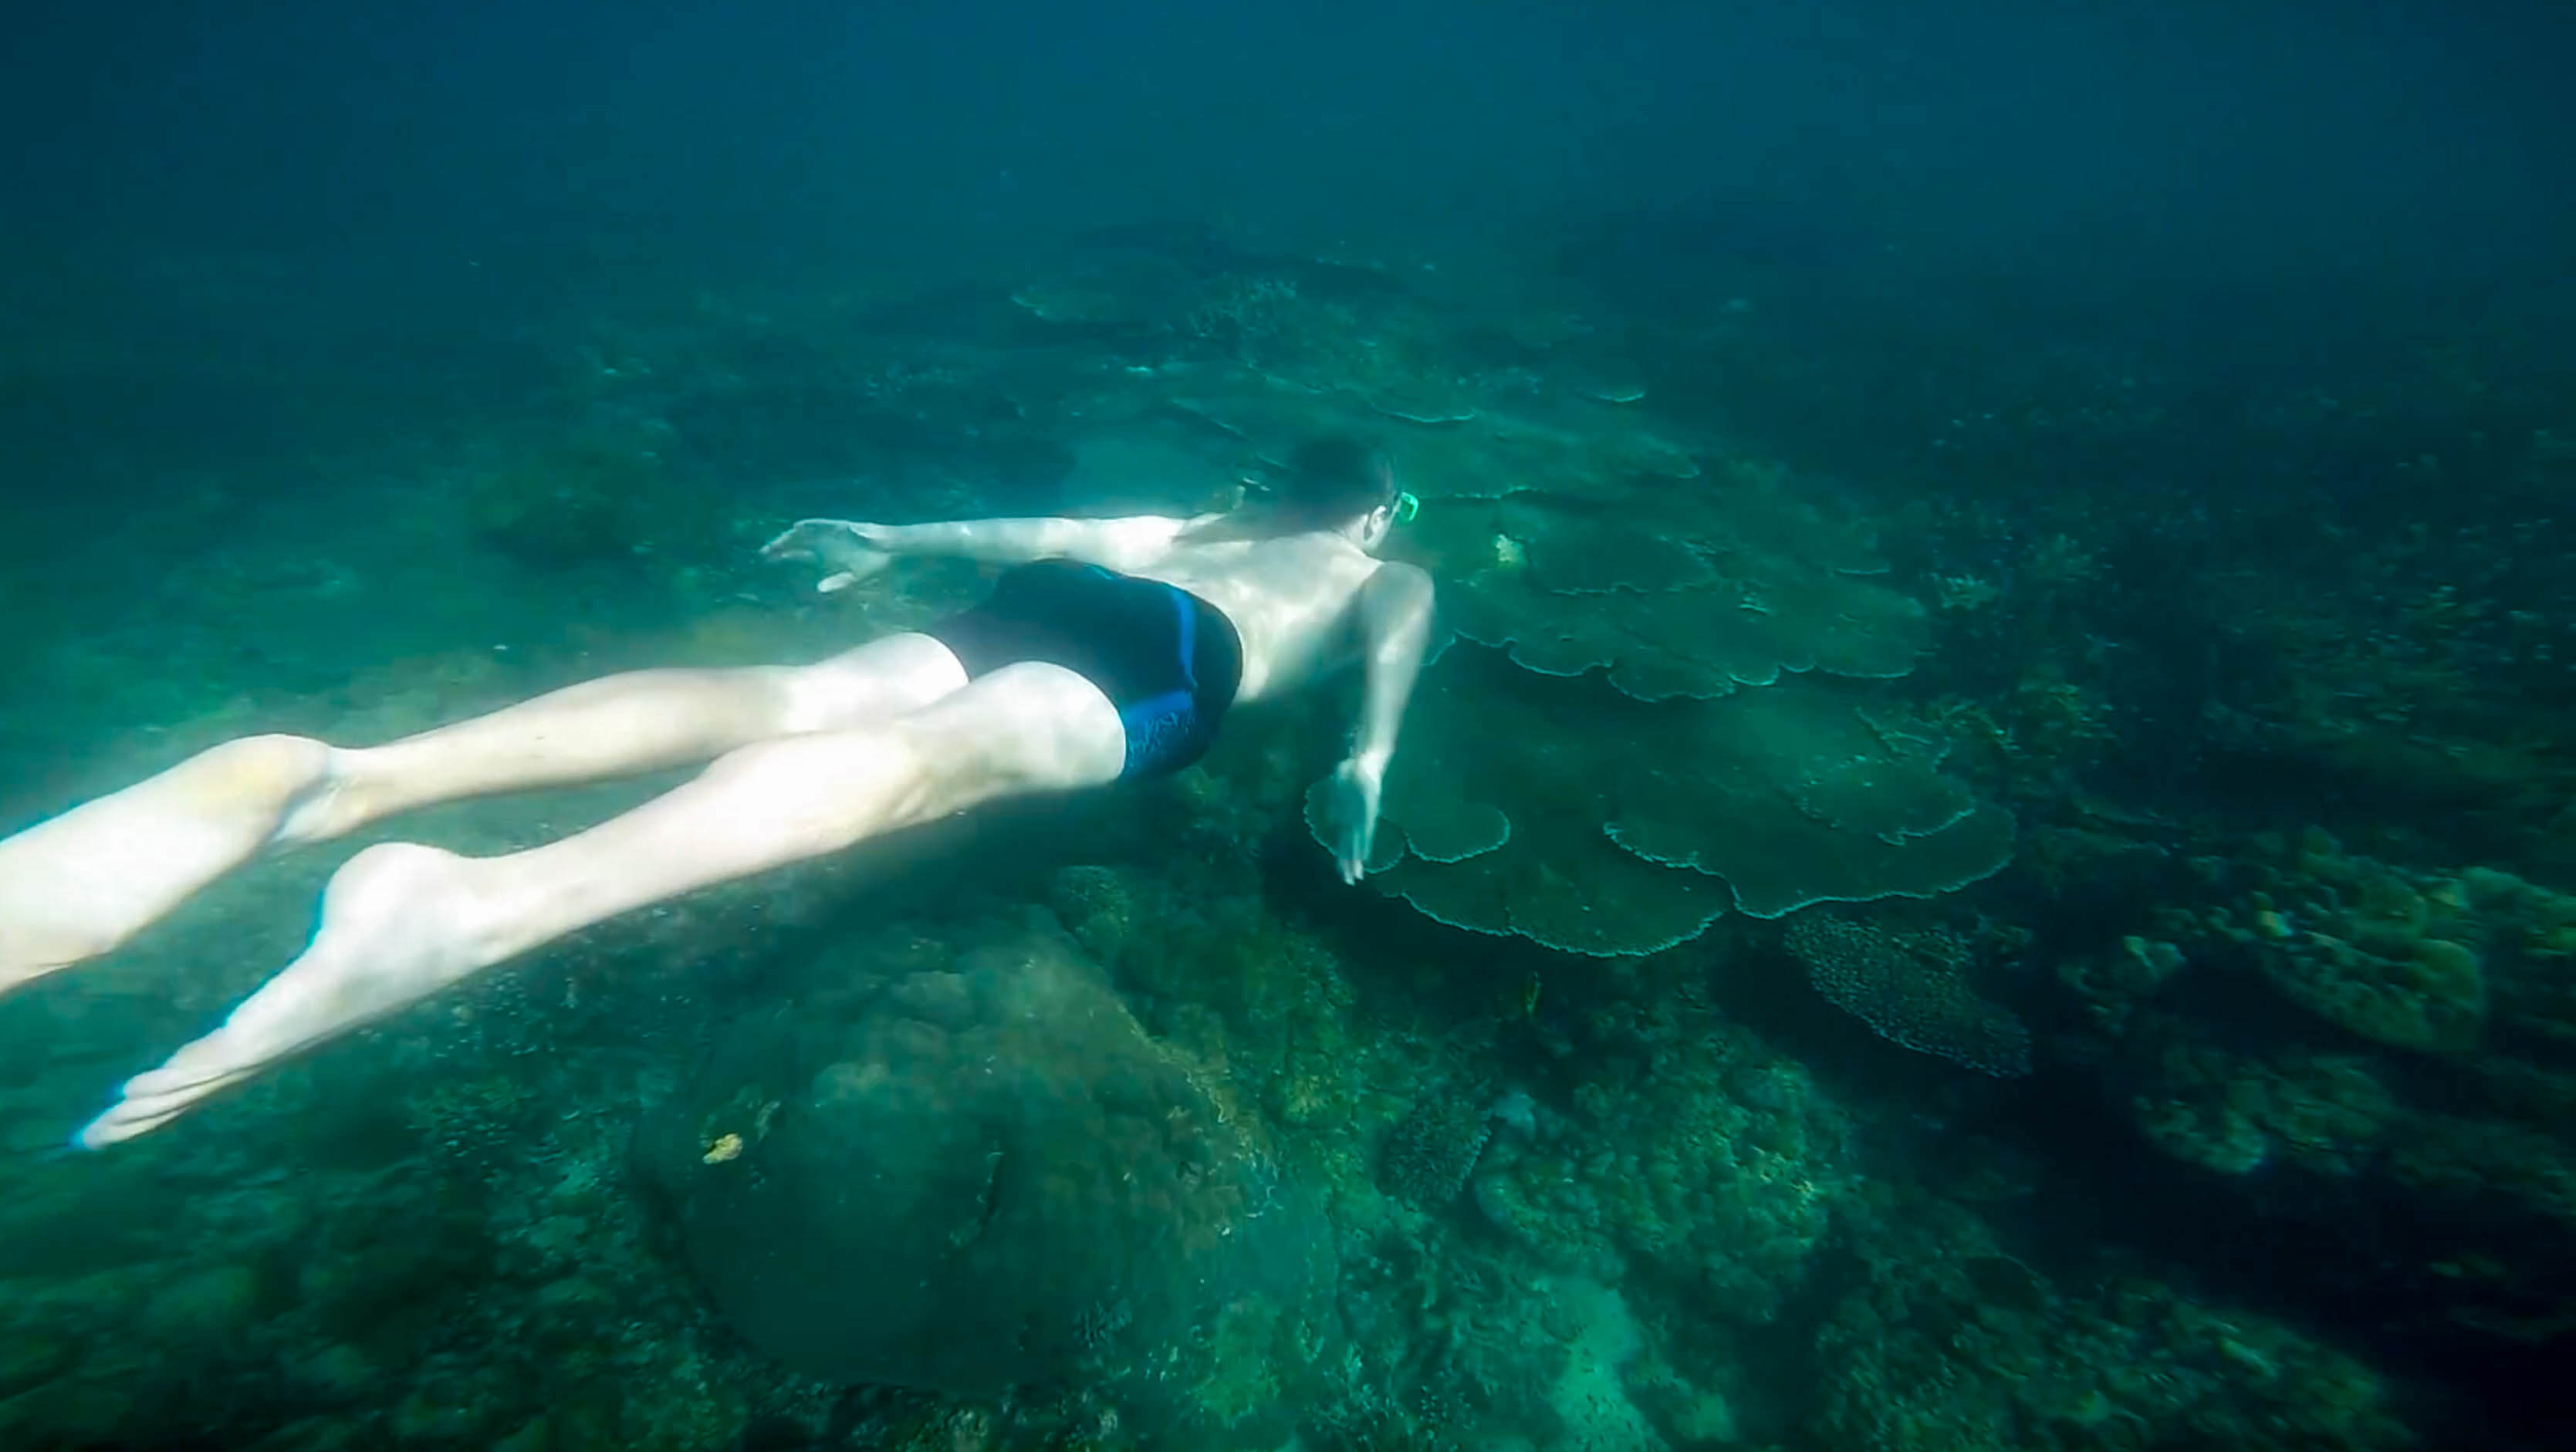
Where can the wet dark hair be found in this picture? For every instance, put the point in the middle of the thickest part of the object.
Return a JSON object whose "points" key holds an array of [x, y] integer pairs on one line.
{"points": [[1330, 480]]}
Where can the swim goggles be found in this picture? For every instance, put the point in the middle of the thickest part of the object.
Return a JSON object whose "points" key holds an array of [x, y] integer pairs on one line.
{"points": [[1406, 506]]}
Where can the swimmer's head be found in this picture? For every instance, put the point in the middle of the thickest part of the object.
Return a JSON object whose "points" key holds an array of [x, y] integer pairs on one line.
{"points": [[1336, 482]]}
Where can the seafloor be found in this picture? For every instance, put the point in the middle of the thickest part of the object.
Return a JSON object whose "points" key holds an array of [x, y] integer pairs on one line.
{"points": [[1949, 888]]}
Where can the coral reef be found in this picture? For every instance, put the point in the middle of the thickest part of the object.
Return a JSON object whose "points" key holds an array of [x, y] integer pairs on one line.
{"points": [[1765, 801], [1433, 1149], [605, 498], [1694, 1149], [2335, 1030], [996, 1161], [1712, 590], [2360, 946], [1223, 1177], [1912, 989], [1950, 1342]]}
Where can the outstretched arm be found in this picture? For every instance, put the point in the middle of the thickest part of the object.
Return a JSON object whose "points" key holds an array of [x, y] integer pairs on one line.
{"points": [[851, 551], [1395, 628]]}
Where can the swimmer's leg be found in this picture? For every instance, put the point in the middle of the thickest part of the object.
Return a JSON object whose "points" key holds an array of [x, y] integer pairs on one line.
{"points": [[77, 885], [400, 922]]}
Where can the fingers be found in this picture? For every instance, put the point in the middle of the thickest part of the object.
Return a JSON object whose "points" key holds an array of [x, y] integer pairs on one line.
{"points": [[807, 538], [1354, 856], [788, 543], [1354, 809], [841, 546], [856, 563]]}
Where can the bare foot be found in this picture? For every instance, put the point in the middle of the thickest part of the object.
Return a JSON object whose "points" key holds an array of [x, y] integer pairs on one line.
{"points": [[78, 885], [399, 923]]}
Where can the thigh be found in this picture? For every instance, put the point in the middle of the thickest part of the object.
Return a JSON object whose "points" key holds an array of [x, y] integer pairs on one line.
{"points": [[891, 676], [1028, 727]]}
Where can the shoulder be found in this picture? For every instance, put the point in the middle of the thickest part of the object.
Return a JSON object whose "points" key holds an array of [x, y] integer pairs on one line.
{"points": [[1396, 579]]}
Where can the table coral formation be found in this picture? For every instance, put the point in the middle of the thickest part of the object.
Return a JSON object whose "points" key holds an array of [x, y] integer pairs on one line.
{"points": [[1590, 823]]}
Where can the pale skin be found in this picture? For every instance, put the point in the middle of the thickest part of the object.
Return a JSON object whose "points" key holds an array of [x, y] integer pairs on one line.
{"points": [[801, 761]]}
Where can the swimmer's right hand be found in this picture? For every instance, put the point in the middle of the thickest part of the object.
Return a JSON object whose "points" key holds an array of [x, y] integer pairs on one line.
{"points": [[847, 550], [1351, 806]]}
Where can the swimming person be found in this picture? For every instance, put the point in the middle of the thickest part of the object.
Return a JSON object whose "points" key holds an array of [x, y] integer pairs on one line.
{"points": [[1112, 648]]}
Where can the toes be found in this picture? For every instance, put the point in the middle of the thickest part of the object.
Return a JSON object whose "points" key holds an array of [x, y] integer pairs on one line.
{"points": [[388, 939], [152, 1100], [260, 1034], [17, 968], [254, 1039], [191, 1069]]}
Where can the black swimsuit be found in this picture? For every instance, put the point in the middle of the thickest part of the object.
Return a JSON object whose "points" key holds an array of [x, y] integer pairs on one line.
{"points": [[1168, 660]]}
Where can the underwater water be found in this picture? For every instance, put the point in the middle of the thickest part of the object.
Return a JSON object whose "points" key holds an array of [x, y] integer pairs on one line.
{"points": [[1982, 857]]}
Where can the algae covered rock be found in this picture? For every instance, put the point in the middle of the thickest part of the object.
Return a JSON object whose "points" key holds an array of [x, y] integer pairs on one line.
{"points": [[975, 1178], [581, 503], [2327, 1029], [1697, 1152], [2390, 958], [1944, 1339]]}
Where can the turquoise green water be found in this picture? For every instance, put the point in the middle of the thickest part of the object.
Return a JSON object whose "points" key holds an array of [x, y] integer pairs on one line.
{"points": [[1806, 1001]]}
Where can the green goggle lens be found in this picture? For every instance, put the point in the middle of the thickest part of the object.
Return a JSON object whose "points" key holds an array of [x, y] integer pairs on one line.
{"points": [[1406, 506]]}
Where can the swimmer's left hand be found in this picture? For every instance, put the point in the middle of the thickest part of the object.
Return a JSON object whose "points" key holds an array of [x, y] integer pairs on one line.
{"points": [[1356, 787], [847, 550]]}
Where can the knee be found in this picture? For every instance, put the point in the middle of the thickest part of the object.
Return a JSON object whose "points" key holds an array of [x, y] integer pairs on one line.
{"points": [[270, 767], [271, 751], [301, 777]]}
